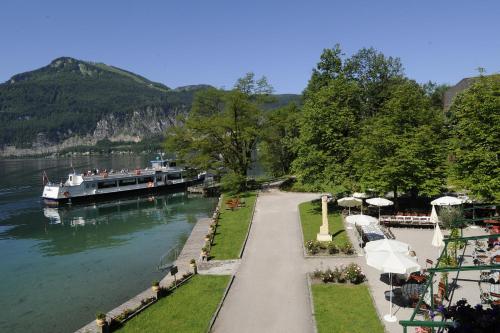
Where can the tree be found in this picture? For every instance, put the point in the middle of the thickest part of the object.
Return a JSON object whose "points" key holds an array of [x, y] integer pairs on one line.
{"points": [[401, 148], [278, 139], [222, 129], [328, 123], [375, 73], [475, 144]]}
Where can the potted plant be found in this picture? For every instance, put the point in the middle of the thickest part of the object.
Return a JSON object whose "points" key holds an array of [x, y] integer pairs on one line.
{"points": [[100, 319], [155, 286], [204, 252]]}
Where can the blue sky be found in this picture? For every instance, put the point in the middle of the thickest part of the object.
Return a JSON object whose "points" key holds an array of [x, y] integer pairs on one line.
{"points": [[215, 42]]}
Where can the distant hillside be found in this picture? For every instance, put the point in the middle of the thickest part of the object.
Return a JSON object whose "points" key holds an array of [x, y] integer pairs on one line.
{"points": [[459, 87], [79, 103]]}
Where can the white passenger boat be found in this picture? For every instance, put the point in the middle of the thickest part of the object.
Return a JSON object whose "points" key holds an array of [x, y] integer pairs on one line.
{"points": [[162, 175]]}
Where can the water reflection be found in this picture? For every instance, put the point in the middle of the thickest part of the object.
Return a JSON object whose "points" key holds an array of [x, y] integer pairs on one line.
{"points": [[73, 229]]}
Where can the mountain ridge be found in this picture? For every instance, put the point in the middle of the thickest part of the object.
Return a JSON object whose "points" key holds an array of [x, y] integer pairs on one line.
{"points": [[72, 102]]}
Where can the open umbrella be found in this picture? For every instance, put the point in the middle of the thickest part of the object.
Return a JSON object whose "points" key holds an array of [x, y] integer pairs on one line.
{"points": [[447, 201], [391, 262], [387, 245], [380, 202], [361, 219], [360, 195], [349, 202]]}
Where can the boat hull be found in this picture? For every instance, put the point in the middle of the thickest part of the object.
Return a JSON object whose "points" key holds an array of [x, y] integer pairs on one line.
{"points": [[121, 194]]}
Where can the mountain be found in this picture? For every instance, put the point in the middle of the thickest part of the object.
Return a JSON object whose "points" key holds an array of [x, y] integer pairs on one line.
{"points": [[71, 103], [451, 92]]}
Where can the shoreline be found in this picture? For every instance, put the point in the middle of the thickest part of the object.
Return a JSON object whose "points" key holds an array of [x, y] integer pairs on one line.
{"points": [[191, 249]]}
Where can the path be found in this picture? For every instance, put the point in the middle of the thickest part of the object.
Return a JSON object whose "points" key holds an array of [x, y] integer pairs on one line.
{"points": [[269, 293]]}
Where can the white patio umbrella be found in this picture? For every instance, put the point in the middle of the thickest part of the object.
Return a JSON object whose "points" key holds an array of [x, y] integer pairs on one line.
{"points": [[447, 201], [437, 238], [391, 245], [434, 216], [361, 219], [380, 202], [391, 262], [349, 202]]}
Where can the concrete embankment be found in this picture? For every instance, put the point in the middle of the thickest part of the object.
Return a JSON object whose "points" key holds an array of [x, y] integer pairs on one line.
{"points": [[191, 250]]}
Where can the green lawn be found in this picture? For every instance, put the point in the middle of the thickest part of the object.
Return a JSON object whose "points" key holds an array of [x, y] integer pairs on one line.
{"points": [[334, 314], [232, 229], [189, 309], [310, 217]]}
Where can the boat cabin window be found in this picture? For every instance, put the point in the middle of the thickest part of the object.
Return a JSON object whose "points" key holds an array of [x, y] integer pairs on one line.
{"points": [[106, 184], [158, 179], [144, 180], [127, 182], [174, 176], [70, 178]]}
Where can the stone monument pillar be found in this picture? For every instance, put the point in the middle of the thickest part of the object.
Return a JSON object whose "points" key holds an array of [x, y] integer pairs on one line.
{"points": [[324, 235]]}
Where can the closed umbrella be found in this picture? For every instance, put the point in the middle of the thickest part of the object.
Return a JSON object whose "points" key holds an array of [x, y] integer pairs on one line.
{"points": [[447, 201], [349, 202], [385, 244], [361, 219], [437, 238], [434, 215], [380, 202], [391, 262]]}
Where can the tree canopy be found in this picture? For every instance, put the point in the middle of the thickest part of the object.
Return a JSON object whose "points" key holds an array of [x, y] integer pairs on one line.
{"points": [[475, 139], [222, 129]]}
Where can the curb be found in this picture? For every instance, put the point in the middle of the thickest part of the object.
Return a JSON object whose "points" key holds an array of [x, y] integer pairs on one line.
{"points": [[221, 303], [311, 303], [249, 226]]}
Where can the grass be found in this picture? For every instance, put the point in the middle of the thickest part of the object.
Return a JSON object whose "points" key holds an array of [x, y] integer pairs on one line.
{"points": [[310, 218], [232, 229], [189, 309], [334, 314]]}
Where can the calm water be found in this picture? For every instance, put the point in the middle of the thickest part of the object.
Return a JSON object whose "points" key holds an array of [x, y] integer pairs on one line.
{"points": [[61, 266]]}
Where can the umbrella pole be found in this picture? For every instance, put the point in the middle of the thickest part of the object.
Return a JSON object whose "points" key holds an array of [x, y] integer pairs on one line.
{"points": [[349, 210], [390, 299], [379, 214], [389, 317]]}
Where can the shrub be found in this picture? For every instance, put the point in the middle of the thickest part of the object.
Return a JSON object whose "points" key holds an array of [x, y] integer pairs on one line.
{"points": [[317, 274], [312, 246], [155, 283], [332, 248], [346, 248], [354, 274], [328, 276]]}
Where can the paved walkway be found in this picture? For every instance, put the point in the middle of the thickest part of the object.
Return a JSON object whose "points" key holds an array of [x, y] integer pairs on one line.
{"points": [[269, 293]]}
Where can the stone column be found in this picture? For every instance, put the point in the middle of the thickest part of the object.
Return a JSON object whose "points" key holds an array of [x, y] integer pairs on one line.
{"points": [[324, 235]]}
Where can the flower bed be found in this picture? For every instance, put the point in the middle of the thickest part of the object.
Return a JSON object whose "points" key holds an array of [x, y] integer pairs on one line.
{"points": [[315, 247], [340, 274]]}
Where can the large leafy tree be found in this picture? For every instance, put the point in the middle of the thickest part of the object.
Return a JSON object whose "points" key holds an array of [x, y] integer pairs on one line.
{"points": [[475, 142], [402, 147], [279, 136], [341, 93], [222, 129], [330, 120]]}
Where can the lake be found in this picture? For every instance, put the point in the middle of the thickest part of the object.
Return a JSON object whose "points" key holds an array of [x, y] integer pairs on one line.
{"points": [[59, 266]]}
